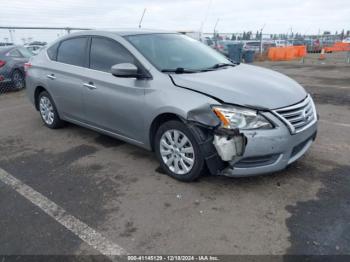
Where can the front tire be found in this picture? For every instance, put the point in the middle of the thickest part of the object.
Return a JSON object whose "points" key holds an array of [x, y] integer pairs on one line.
{"points": [[178, 151], [48, 111]]}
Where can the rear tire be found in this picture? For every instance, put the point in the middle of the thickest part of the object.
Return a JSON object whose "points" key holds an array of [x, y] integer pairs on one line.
{"points": [[48, 111], [17, 79], [178, 151]]}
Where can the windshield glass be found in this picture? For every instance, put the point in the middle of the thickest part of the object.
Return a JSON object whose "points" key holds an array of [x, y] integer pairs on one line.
{"points": [[172, 51]]}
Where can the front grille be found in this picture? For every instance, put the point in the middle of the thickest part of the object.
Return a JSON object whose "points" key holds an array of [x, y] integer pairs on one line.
{"points": [[300, 116]]}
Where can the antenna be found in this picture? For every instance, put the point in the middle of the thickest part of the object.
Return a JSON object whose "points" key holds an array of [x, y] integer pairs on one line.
{"points": [[261, 39], [143, 14]]}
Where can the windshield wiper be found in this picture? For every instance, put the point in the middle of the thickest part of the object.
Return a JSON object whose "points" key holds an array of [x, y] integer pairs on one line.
{"points": [[179, 70], [222, 65]]}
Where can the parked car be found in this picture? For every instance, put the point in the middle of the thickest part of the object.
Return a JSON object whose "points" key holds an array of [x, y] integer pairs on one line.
{"points": [[171, 94], [255, 45], [251, 46], [314, 45], [12, 59], [208, 42], [222, 46], [298, 42], [267, 45], [282, 43], [38, 43], [346, 40], [6, 44], [35, 49]]}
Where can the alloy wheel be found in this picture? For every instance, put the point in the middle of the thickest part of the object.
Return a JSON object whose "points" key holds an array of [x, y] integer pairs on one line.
{"points": [[46, 110], [177, 152]]}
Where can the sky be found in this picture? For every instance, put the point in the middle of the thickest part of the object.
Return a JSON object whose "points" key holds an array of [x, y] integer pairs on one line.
{"points": [[276, 16]]}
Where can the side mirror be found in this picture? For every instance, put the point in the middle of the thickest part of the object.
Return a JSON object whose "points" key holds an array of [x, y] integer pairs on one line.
{"points": [[125, 70]]}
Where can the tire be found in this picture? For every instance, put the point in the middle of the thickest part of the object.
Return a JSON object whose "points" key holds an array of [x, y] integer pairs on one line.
{"points": [[48, 111], [17, 79], [172, 151]]}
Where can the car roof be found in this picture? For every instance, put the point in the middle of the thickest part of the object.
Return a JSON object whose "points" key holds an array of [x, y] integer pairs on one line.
{"points": [[124, 32], [5, 49]]}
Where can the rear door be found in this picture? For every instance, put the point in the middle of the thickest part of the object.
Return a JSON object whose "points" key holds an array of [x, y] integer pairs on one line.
{"points": [[66, 76], [112, 103]]}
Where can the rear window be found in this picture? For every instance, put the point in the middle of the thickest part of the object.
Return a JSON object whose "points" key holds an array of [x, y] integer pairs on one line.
{"points": [[14, 53], [25, 52], [73, 51]]}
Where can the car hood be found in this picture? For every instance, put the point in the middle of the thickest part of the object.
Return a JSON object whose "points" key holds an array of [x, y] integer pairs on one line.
{"points": [[245, 85]]}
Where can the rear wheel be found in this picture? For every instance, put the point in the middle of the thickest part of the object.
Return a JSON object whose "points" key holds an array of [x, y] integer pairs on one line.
{"points": [[48, 111], [178, 151], [18, 80]]}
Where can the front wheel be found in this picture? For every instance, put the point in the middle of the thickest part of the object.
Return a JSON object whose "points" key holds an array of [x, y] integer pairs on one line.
{"points": [[178, 151]]}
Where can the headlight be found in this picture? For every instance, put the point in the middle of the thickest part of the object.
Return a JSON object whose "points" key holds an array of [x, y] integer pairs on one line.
{"points": [[240, 117]]}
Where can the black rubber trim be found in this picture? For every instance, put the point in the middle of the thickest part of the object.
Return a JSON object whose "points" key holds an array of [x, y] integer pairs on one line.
{"points": [[204, 138]]}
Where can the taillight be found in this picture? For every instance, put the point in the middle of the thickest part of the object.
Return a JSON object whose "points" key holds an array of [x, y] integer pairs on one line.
{"points": [[26, 67], [2, 63]]}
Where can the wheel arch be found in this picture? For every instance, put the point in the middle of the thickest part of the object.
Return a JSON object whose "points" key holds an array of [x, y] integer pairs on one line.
{"points": [[17, 68], [39, 89], [158, 121]]}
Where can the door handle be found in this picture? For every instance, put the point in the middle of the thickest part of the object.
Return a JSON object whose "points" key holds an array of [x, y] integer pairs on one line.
{"points": [[90, 85], [52, 76]]}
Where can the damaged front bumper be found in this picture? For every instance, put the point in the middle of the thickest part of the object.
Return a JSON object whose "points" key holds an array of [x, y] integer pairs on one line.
{"points": [[240, 153], [271, 150]]}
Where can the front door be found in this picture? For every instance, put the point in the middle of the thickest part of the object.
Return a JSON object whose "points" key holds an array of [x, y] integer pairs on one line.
{"points": [[112, 103]]}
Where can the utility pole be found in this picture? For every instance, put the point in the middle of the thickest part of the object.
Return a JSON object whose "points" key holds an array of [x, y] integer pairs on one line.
{"points": [[143, 14], [261, 39]]}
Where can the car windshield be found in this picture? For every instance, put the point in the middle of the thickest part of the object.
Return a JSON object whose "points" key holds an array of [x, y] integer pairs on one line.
{"points": [[173, 51]]}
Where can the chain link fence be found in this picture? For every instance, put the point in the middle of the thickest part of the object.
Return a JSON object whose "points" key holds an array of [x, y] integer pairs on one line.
{"points": [[317, 46], [17, 45]]}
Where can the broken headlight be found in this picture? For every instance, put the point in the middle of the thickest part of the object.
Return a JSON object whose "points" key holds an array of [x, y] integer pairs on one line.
{"points": [[239, 117]]}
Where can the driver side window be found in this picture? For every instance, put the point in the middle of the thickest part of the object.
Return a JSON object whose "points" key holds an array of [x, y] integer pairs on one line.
{"points": [[105, 53]]}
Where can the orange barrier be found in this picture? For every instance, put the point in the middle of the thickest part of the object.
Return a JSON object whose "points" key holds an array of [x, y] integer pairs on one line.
{"points": [[338, 47], [301, 51], [286, 53]]}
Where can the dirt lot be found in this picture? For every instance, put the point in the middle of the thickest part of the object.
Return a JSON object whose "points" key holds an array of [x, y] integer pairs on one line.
{"points": [[118, 190]]}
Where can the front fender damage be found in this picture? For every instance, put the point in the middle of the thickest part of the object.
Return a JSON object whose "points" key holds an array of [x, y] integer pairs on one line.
{"points": [[219, 145]]}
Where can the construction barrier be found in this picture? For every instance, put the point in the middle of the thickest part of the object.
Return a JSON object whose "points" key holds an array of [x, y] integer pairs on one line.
{"points": [[286, 53], [338, 47]]}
